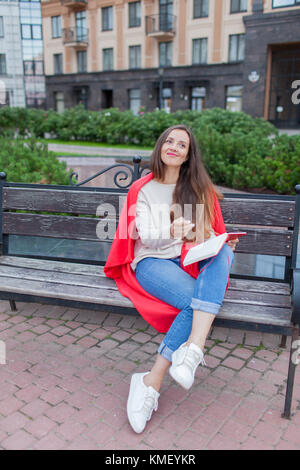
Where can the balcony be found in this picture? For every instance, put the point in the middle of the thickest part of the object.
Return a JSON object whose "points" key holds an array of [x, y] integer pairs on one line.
{"points": [[74, 4], [76, 37], [161, 26]]}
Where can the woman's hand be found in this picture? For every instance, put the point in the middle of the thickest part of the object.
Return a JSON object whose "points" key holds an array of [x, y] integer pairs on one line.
{"points": [[180, 228], [232, 243]]}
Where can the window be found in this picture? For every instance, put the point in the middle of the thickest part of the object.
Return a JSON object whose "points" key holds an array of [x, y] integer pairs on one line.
{"points": [[197, 98], [108, 59], [31, 31], [81, 96], [107, 19], [199, 51], [2, 64], [58, 63], [134, 57], [56, 26], [134, 96], [81, 32], [234, 98], [201, 8], [285, 3], [81, 61], [166, 99], [59, 101], [1, 27], [165, 54], [236, 47], [33, 67], [237, 6], [134, 14]]}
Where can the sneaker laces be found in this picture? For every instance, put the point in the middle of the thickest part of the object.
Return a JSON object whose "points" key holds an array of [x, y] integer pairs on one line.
{"points": [[192, 358], [150, 403]]}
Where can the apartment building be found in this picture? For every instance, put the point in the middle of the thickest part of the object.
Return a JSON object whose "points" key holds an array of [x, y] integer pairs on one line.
{"points": [[22, 81], [175, 55], [12, 91]]}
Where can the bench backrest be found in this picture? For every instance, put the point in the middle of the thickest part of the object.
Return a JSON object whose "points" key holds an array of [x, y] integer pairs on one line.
{"points": [[78, 223]]}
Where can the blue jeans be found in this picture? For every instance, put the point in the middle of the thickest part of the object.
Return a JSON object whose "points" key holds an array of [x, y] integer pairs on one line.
{"points": [[167, 281]]}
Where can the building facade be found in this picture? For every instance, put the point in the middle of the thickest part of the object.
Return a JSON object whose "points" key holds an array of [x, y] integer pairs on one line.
{"points": [[22, 80], [12, 92], [175, 55]]}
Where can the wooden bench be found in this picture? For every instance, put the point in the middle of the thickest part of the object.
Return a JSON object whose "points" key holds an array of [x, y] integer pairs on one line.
{"points": [[52, 254]]}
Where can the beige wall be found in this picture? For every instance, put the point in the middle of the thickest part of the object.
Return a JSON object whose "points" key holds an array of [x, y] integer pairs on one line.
{"points": [[217, 28]]}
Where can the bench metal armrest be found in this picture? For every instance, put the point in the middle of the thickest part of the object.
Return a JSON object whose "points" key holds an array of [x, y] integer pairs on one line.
{"points": [[296, 295]]}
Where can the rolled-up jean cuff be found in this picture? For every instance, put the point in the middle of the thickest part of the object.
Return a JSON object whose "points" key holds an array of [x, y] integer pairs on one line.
{"points": [[165, 352], [208, 307]]}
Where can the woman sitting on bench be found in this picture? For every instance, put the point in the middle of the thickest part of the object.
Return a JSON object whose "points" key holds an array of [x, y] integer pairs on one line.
{"points": [[147, 264]]}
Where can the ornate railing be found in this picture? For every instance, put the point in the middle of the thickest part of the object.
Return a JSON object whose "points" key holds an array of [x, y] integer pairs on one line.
{"points": [[75, 35], [127, 173], [160, 24]]}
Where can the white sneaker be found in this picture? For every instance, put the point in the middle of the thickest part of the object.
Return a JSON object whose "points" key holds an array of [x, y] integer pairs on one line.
{"points": [[142, 401], [185, 361]]}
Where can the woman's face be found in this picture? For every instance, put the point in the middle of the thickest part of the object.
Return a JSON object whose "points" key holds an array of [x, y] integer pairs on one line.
{"points": [[175, 149]]}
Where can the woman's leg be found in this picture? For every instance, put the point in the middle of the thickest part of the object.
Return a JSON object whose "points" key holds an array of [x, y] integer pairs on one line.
{"points": [[208, 296], [164, 279], [199, 303]]}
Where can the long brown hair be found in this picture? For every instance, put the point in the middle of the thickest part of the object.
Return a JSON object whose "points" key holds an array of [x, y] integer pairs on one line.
{"points": [[193, 186]]}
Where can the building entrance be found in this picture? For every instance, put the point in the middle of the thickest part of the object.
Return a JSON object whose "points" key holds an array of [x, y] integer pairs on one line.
{"points": [[284, 106]]}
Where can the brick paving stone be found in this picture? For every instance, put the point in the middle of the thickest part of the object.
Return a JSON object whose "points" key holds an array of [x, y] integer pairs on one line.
{"points": [[40, 426], [267, 433], [243, 353], [10, 405], [13, 422], [35, 408], [50, 442], [66, 382], [220, 442], [20, 440], [233, 363]]}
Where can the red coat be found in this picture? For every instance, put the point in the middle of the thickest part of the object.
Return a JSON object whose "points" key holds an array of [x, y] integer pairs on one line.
{"points": [[157, 313]]}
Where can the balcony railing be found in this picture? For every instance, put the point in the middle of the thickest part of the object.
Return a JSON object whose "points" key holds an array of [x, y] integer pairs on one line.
{"points": [[160, 25], [74, 3], [76, 37]]}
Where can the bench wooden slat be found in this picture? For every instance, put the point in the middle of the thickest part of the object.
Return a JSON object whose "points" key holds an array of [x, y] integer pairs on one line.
{"points": [[258, 212], [79, 280], [235, 211], [234, 311], [54, 226], [50, 265], [258, 240], [57, 200], [279, 288]]}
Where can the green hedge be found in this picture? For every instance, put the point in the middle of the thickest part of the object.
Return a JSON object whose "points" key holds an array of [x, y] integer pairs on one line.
{"points": [[239, 151], [31, 162]]}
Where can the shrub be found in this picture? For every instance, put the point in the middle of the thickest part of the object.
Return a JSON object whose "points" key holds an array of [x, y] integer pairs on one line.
{"points": [[239, 151], [31, 162]]}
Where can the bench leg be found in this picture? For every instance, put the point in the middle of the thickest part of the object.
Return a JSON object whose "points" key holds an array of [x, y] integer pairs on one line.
{"points": [[283, 341], [13, 306], [291, 373]]}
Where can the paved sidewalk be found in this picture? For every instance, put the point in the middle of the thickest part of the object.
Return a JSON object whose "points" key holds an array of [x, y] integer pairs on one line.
{"points": [[66, 379]]}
